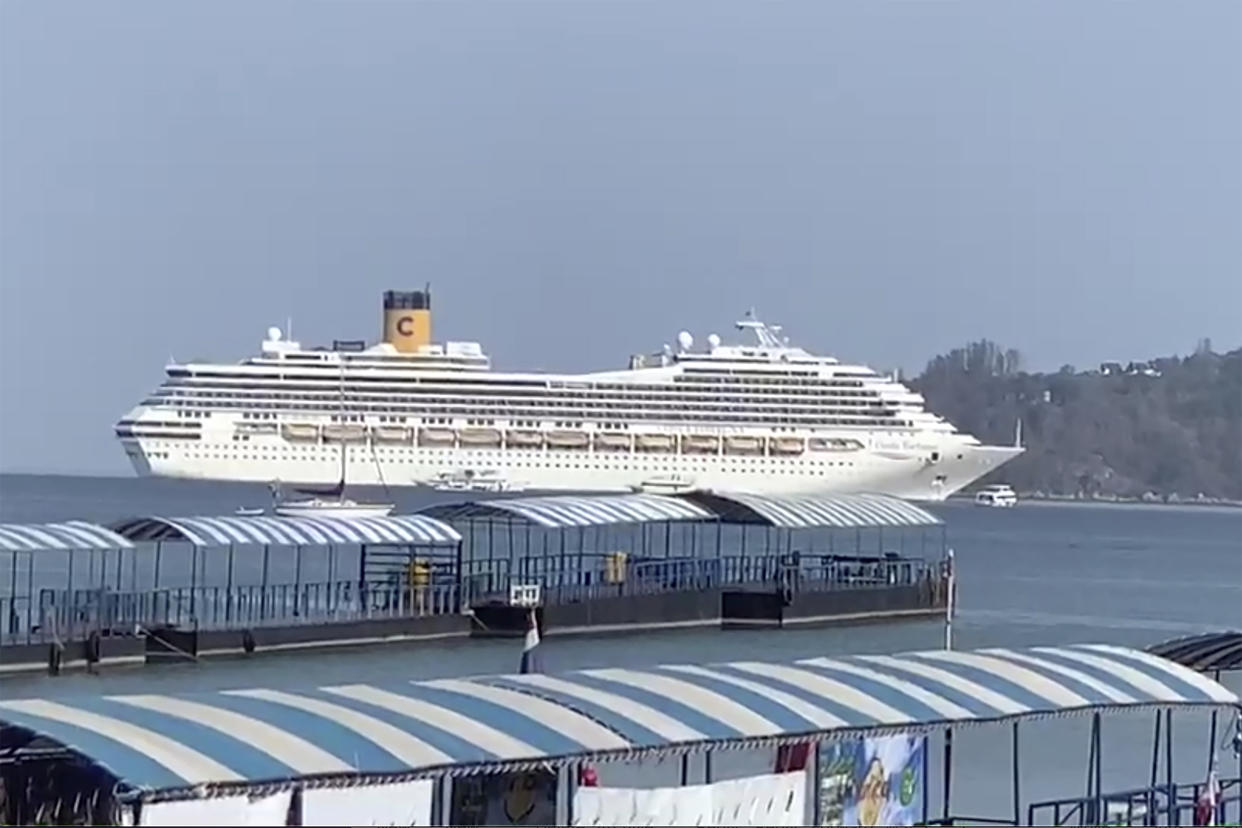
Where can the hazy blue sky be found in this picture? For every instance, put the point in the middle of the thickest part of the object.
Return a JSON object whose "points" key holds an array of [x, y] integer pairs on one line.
{"points": [[581, 179]]}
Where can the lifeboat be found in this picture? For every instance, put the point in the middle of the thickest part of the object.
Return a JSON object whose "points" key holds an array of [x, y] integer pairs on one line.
{"points": [[833, 444], [568, 439], [300, 432], [654, 442], [523, 439], [344, 433], [743, 445], [700, 444], [436, 437], [612, 442], [479, 437], [788, 445], [390, 434]]}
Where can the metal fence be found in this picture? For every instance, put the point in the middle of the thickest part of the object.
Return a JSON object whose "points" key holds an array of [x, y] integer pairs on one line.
{"points": [[72, 614]]}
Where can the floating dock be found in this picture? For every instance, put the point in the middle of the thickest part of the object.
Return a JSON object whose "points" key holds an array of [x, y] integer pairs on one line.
{"points": [[158, 588]]}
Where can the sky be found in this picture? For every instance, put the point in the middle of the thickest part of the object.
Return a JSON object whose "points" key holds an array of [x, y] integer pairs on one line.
{"points": [[579, 181]]}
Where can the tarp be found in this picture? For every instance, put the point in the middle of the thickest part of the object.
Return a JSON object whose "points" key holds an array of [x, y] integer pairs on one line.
{"points": [[770, 799], [224, 810], [401, 803]]}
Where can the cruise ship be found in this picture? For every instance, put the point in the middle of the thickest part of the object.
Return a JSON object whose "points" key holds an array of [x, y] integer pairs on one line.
{"points": [[762, 416]]}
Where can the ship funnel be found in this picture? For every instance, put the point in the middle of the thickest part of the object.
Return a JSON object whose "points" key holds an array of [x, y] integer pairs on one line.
{"points": [[407, 319]]}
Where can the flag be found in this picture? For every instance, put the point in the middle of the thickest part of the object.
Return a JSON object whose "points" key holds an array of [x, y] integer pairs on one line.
{"points": [[1205, 808], [529, 656]]}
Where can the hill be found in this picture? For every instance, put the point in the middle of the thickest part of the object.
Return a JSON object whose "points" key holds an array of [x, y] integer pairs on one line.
{"points": [[1168, 429]]}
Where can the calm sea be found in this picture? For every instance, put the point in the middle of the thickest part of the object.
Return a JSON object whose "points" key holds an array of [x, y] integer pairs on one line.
{"points": [[1037, 574]]}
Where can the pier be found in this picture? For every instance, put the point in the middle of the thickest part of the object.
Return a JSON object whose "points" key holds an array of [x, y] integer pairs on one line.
{"points": [[155, 588], [845, 740]]}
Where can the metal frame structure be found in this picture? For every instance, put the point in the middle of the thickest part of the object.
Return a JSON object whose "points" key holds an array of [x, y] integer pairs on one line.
{"points": [[155, 747]]}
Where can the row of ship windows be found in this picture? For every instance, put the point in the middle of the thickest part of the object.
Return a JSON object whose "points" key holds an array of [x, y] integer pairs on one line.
{"points": [[744, 381], [196, 455], [314, 392], [724, 416]]}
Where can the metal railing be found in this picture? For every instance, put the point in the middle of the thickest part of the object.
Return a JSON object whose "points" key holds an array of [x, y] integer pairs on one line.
{"points": [[74, 614], [1151, 806]]}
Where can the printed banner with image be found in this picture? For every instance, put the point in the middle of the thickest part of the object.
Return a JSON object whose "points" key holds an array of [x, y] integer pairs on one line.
{"points": [[523, 798], [876, 781]]}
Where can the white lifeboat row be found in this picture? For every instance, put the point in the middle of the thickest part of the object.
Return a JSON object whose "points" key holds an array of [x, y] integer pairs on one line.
{"points": [[648, 443]]}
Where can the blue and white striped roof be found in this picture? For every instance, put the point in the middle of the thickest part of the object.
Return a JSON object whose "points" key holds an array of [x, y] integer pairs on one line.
{"points": [[157, 741], [291, 531], [74, 534], [566, 511], [838, 511]]}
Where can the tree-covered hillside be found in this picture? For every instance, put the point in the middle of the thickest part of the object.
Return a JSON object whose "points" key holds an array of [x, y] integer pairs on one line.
{"points": [[1170, 428]]}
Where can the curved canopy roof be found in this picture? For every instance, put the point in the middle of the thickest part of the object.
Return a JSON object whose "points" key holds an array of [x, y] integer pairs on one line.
{"points": [[157, 741], [74, 534], [566, 511], [1207, 653], [844, 511], [293, 531]]}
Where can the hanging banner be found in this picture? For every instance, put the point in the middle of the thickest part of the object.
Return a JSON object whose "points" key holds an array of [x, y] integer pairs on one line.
{"points": [[224, 810], [526, 798], [402, 803], [876, 781], [771, 799]]}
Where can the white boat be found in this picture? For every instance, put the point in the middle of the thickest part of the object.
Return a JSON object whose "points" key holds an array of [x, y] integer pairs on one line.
{"points": [[666, 484], [249, 511], [469, 480], [319, 507], [806, 422], [998, 496]]}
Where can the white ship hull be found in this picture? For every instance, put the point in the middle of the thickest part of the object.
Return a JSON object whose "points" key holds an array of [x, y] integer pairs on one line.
{"points": [[912, 476], [768, 417]]}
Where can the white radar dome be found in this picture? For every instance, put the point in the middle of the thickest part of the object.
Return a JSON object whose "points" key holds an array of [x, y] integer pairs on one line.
{"points": [[273, 334], [714, 340], [685, 340]]}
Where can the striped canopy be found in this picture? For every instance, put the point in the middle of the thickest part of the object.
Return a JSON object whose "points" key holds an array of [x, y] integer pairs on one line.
{"points": [[566, 511], [160, 742], [1207, 653], [293, 531], [841, 511], [74, 534]]}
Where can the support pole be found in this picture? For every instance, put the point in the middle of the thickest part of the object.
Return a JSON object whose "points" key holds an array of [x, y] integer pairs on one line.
{"points": [[1017, 790], [1168, 766], [948, 771], [685, 769], [707, 768]]}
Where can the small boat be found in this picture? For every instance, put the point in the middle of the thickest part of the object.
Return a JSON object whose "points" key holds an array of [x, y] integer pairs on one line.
{"points": [[344, 433], [742, 444], [523, 438], [655, 442], [317, 507], [249, 511], [568, 439], [390, 434], [787, 445], [700, 444], [612, 442], [436, 437], [479, 437], [469, 480], [998, 496], [666, 484], [299, 432]]}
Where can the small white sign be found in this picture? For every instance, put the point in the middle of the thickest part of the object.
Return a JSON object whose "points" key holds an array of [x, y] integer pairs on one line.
{"points": [[525, 595]]}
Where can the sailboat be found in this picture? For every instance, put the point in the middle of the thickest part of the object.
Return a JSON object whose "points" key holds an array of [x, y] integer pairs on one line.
{"points": [[330, 502]]}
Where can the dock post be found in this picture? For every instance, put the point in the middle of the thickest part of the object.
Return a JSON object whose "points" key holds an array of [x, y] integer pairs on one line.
{"points": [[1171, 793], [1017, 797], [948, 771]]}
